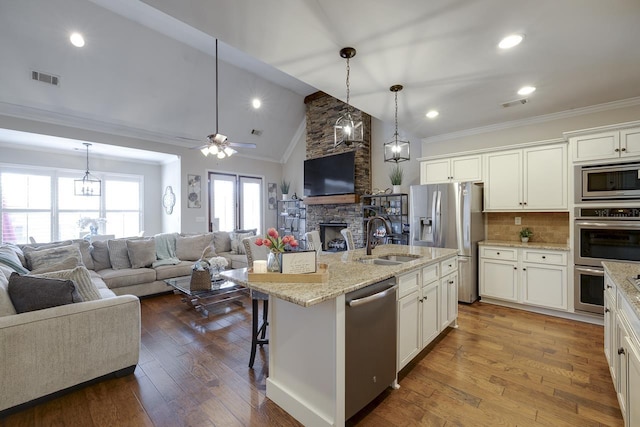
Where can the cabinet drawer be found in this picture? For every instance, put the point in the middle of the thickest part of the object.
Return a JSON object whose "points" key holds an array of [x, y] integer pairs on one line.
{"points": [[430, 274], [448, 266], [545, 257], [510, 254], [408, 283]]}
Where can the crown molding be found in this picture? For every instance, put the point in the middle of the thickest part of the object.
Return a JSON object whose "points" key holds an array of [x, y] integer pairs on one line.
{"points": [[630, 102]]}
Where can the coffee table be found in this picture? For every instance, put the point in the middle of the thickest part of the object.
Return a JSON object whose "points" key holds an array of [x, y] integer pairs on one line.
{"points": [[221, 294]]}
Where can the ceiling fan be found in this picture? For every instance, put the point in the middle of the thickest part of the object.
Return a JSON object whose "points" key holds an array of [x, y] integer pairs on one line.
{"points": [[217, 143]]}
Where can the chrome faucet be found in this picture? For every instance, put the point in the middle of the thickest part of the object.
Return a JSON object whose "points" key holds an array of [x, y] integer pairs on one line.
{"points": [[372, 240]]}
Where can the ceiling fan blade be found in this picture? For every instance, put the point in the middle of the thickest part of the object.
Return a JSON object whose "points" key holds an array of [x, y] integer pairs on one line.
{"points": [[243, 144]]}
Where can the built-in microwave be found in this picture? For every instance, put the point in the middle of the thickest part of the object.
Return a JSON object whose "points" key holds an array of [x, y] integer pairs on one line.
{"points": [[608, 182]]}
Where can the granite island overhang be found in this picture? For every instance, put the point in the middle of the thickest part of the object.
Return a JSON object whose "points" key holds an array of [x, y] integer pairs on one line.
{"points": [[307, 329]]}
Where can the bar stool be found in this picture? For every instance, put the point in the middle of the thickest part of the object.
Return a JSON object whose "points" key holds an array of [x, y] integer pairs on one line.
{"points": [[258, 331]]}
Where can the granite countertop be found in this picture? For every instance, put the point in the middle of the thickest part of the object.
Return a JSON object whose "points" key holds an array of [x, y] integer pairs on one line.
{"points": [[620, 272], [529, 245], [346, 274]]}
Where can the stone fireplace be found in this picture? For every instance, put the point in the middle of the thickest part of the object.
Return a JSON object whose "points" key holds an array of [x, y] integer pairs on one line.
{"points": [[332, 239], [322, 111]]}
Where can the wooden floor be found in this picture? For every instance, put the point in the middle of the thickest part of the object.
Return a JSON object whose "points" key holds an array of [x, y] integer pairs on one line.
{"points": [[502, 367]]}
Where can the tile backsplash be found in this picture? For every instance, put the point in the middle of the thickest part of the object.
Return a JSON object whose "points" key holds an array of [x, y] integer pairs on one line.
{"points": [[547, 227]]}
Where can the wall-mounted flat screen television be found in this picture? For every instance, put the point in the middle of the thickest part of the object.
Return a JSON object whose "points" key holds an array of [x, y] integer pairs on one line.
{"points": [[330, 175]]}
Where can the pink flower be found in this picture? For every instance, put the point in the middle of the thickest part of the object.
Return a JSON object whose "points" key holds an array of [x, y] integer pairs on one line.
{"points": [[286, 239], [259, 241], [272, 232], [293, 243], [267, 243]]}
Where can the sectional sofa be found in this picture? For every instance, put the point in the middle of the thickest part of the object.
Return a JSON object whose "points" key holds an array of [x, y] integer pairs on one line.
{"points": [[49, 350]]}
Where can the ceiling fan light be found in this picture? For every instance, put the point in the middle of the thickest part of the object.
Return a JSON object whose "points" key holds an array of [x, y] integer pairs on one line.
{"points": [[205, 151], [229, 151], [221, 155], [213, 149]]}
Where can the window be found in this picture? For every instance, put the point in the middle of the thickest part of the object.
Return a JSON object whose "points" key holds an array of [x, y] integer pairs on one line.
{"points": [[235, 202], [42, 205]]}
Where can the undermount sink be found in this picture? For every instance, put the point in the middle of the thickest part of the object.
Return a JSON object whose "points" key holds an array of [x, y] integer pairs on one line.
{"points": [[379, 261], [399, 258]]}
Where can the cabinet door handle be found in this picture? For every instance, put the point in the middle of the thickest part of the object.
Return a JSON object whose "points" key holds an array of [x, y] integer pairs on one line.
{"points": [[497, 253], [616, 150], [524, 269], [609, 286], [515, 268], [544, 257], [621, 350], [525, 203], [425, 298], [520, 203], [623, 149], [606, 310]]}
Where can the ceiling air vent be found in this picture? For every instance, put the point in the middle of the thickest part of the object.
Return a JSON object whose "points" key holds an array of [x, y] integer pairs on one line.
{"points": [[516, 102], [256, 132], [45, 78]]}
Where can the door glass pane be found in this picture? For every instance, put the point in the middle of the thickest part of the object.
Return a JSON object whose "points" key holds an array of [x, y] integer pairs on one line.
{"points": [[251, 203], [223, 202]]}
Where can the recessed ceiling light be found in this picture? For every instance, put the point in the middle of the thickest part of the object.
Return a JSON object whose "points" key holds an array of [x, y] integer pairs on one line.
{"points": [[432, 114], [526, 90], [510, 41], [76, 39], [256, 103]]}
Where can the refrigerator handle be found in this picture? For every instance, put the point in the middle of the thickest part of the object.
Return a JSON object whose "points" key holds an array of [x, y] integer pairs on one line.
{"points": [[438, 218]]}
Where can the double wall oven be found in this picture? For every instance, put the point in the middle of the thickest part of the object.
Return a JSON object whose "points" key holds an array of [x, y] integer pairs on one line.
{"points": [[602, 234]]}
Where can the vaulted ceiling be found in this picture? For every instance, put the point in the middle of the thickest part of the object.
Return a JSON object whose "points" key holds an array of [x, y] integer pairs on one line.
{"points": [[148, 67]]}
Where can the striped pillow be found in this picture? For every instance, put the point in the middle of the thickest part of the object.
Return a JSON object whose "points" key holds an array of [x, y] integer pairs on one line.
{"points": [[9, 258], [81, 278], [118, 254]]}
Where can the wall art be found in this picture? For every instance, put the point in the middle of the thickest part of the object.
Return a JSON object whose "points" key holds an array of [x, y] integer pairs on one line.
{"points": [[193, 191], [272, 194]]}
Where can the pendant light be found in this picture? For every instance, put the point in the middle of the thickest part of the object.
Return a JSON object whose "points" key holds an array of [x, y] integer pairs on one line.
{"points": [[89, 185], [347, 131], [396, 150]]}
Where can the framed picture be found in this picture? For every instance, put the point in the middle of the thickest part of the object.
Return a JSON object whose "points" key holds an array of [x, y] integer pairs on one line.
{"points": [[193, 191], [272, 194], [298, 262]]}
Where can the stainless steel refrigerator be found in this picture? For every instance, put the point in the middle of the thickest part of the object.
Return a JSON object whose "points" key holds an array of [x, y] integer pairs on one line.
{"points": [[450, 216]]}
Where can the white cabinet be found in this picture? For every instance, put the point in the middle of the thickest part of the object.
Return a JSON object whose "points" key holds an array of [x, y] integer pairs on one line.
{"points": [[528, 179], [606, 145], [526, 276], [622, 347], [455, 169], [423, 312]]}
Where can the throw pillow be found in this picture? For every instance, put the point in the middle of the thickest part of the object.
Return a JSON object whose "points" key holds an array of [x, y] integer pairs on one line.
{"points": [[142, 253], [100, 255], [190, 248], [236, 241], [66, 264], [30, 293], [81, 278], [118, 254], [222, 241], [85, 250], [39, 259], [9, 258], [6, 306]]}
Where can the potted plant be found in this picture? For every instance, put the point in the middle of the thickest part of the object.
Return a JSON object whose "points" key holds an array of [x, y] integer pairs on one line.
{"points": [[396, 175], [525, 233], [284, 187]]}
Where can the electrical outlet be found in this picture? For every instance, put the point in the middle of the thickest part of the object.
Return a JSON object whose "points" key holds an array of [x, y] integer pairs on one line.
{"points": [[518, 220]]}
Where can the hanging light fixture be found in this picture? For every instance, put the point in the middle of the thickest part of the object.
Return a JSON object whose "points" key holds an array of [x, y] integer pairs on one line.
{"points": [[89, 185], [347, 131], [396, 150]]}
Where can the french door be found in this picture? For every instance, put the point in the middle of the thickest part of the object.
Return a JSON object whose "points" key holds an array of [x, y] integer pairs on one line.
{"points": [[235, 202]]}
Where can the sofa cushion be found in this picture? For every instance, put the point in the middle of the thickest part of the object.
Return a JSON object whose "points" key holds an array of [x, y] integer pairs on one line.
{"points": [[81, 278], [103, 289], [66, 264], [100, 255], [222, 241], [170, 271], [118, 254], [43, 258], [127, 276], [235, 260], [236, 241], [9, 258], [6, 306], [29, 293], [142, 253], [190, 248], [85, 250]]}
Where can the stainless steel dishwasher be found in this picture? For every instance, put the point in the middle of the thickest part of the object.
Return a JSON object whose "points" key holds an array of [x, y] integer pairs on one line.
{"points": [[371, 330]]}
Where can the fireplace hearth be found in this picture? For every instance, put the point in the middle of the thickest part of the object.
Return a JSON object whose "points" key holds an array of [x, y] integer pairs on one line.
{"points": [[331, 238]]}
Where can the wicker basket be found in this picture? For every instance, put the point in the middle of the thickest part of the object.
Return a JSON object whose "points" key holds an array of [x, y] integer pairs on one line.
{"points": [[200, 280]]}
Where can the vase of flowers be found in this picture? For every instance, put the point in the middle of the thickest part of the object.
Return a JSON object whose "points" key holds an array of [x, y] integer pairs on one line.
{"points": [[277, 245], [216, 265]]}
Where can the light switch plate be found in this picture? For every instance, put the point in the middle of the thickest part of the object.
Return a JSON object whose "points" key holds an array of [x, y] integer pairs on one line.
{"points": [[518, 220]]}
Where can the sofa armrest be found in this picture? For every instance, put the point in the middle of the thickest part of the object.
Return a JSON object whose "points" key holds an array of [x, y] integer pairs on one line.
{"points": [[46, 351]]}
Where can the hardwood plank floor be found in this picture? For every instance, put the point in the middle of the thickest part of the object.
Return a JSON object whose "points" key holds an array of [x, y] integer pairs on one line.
{"points": [[501, 367]]}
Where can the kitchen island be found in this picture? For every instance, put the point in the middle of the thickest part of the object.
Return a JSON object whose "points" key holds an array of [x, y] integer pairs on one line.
{"points": [[307, 328]]}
